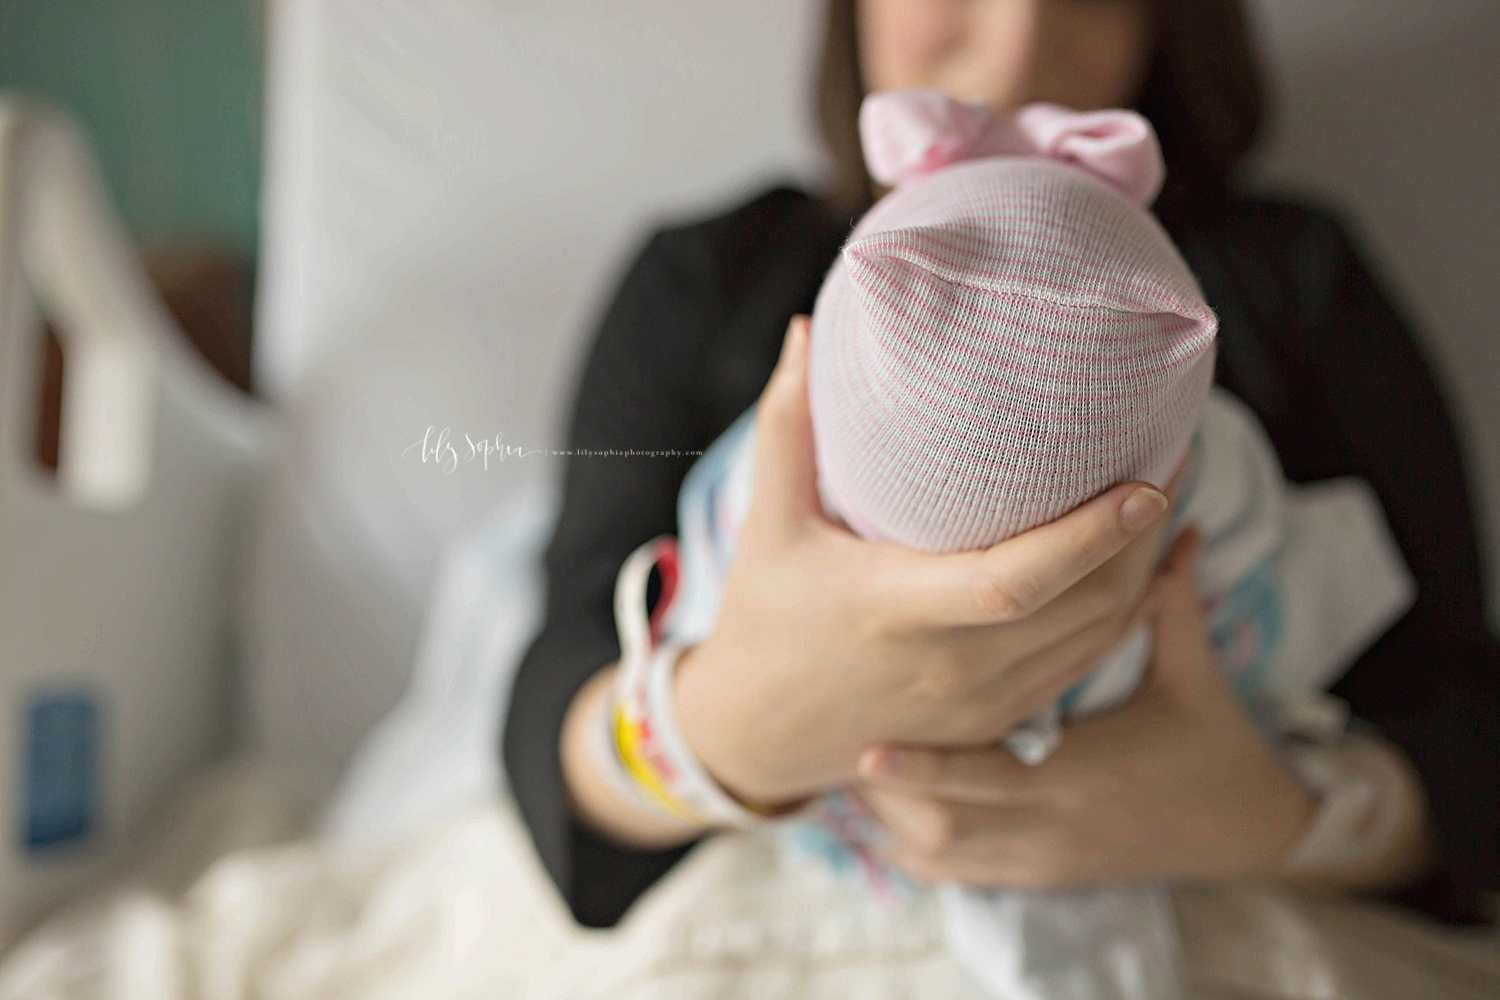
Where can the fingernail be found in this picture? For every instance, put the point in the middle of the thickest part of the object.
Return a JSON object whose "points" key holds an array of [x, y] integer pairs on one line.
{"points": [[1141, 509]]}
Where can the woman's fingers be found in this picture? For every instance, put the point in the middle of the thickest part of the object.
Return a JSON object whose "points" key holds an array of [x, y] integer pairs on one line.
{"points": [[1003, 683], [1009, 581], [933, 839], [1181, 647], [937, 827], [979, 872], [785, 473], [1043, 677], [989, 776], [928, 870]]}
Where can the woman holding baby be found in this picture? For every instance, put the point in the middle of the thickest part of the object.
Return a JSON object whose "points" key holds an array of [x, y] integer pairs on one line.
{"points": [[839, 662]]}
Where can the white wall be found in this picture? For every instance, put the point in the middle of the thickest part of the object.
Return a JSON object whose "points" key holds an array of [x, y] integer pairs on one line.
{"points": [[1390, 111]]}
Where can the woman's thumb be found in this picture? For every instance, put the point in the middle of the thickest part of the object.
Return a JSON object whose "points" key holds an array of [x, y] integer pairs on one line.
{"points": [[785, 487]]}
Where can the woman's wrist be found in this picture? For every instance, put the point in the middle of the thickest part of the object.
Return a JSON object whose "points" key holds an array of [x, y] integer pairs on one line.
{"points": [[706, 715], [1293, 811]]}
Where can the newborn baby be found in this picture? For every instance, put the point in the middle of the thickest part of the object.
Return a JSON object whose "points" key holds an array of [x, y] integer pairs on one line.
{"points": [[1006, 334]]}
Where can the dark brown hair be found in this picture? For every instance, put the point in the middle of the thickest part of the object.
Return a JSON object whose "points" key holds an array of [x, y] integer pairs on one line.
{"points": [[1202, 92]]}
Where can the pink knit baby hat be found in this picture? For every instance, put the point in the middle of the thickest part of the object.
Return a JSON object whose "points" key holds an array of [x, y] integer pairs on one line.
{"points": [[1008, 332]]}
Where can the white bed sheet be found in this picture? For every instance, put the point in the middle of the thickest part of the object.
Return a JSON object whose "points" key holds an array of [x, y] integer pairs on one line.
{"points": [[463, 909]]}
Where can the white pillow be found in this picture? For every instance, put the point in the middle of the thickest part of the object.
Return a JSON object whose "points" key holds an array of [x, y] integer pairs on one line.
{"points": [[437, 753]]}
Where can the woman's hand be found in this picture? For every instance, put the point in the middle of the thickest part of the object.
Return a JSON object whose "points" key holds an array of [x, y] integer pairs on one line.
{"points": [[1175, 784], [826, 642]]}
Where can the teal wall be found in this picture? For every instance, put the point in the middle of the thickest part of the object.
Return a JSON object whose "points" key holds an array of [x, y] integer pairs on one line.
{"points": [[169, 91]]}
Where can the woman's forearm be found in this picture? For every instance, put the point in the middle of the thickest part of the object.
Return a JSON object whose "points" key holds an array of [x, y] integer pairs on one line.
{"points": [[596, 800]]}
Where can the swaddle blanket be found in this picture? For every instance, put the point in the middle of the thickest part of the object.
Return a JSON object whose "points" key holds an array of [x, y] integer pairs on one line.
{"points": [[1296, 582], [1002, 338]]}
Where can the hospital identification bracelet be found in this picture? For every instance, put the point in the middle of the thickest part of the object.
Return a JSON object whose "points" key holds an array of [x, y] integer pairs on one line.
{"points": [[640, 738], [1360, 805]]}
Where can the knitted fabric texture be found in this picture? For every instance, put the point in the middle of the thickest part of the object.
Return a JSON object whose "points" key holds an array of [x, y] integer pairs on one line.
{"points": [[1006, 334]]}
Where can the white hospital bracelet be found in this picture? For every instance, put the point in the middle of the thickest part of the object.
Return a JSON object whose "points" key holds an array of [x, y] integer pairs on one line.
{"points": [[1359, 810], [604, 747], [649, 739]]}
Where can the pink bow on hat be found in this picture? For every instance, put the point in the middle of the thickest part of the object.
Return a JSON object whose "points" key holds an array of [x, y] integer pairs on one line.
{"points": [[910, 133]]}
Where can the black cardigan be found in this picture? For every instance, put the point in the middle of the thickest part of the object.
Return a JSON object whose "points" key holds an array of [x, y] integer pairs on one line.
{"points": [[1306, 339]]}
